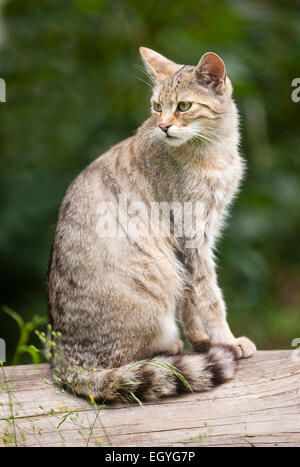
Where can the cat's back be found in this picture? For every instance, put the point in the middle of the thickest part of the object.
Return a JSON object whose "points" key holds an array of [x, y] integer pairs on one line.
{"points": [[105, 179]]}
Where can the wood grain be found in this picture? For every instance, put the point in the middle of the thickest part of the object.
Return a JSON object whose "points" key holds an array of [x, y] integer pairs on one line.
{"points": [[259, 407]]}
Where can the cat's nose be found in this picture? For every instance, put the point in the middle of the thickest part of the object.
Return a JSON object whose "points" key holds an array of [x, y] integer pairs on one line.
{"points": [[164, 126]]}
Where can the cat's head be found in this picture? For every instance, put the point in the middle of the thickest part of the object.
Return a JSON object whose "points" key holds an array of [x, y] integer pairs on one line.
{"points": [[189, 103]]}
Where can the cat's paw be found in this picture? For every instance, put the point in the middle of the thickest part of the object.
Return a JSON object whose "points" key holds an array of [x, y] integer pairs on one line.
{"points": [[176, 347], [202, 345], [244, 347], [198, 339]]}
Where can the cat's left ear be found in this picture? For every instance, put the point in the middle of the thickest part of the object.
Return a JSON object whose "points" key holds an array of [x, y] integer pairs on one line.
{"points": [[158, 66], [211, 73]]}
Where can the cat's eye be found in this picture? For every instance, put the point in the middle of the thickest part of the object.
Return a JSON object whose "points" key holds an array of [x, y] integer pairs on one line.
{"points": [[184, 106], [157, 107]]}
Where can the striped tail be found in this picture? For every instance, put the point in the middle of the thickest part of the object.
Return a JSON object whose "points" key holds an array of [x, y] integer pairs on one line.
{"points": [[152, 379]]}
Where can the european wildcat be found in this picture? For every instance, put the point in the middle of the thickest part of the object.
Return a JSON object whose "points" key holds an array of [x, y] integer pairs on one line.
{"points": [[114, 298]]}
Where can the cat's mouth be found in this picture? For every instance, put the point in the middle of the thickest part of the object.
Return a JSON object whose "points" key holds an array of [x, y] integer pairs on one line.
{"points": [[170, 136], [166, 135]]}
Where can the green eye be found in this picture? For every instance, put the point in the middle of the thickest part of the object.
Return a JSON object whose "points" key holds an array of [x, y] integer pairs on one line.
{"points": [[184, 106], [157, 107]]}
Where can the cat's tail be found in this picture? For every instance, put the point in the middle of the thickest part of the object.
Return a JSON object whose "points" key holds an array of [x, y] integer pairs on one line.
{"points": [[153, 378]]}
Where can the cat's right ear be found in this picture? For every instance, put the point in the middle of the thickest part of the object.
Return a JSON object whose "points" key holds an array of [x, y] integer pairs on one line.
{"points": [[158, 66]]}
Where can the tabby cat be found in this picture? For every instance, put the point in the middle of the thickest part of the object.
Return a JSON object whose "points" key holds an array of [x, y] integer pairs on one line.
{"points": [[115, 282]]}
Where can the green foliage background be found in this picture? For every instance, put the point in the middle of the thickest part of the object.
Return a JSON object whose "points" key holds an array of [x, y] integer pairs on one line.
{"points": [[74, 89]]}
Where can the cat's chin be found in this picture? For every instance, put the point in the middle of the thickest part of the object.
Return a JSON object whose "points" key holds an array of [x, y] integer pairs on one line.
{"points": [[174, 141]]}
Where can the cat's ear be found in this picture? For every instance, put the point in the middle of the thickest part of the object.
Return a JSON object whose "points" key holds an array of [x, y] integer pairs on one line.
{"points": [[211, 73], [157, 65]]}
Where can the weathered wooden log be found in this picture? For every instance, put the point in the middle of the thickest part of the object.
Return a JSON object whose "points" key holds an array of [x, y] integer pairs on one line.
{"points": [[259, 407]]}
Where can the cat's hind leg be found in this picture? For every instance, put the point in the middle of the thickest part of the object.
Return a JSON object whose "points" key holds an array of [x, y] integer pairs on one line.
{"points": [[167, 339]]}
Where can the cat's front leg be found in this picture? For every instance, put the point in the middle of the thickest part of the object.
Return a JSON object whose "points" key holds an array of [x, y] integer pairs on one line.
{"points": [[203, 310]]}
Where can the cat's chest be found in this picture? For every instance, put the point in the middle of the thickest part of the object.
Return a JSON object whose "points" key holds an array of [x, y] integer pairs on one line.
{"points": [[213, 187]]}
